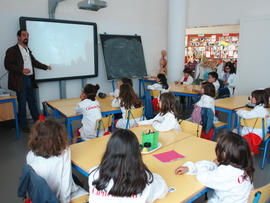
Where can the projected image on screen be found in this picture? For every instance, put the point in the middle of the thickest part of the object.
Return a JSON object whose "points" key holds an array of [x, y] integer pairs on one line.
{"points": [[70, 49]]}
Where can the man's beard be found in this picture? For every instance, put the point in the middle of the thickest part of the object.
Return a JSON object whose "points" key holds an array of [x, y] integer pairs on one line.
{"points": [[25, 41]]}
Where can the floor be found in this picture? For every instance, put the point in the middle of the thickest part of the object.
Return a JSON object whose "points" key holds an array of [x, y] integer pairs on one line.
{"points": [[13, 153]]}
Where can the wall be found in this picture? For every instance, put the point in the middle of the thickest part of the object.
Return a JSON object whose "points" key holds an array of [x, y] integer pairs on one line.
{"points": [[145, 18]]}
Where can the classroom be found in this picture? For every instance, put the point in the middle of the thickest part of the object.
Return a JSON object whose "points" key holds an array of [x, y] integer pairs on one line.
{"points": [[201, 36]]}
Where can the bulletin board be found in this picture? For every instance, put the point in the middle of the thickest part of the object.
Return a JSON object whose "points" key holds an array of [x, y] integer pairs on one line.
{"points": [[212, 46]]}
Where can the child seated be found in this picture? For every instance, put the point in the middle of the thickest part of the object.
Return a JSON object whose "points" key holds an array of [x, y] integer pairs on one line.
{"points": [[230, 176], [213, 78], [186, 79], [161, 83], [90, 109], [167, 117], [260, 99], [127, 100], [50, 158], [119, 83], [122, 176]]}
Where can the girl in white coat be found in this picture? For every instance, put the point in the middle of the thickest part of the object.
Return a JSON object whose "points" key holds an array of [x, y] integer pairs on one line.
{"points": [[161, 83], [119, 83], [127, 100], [167, 117], [50, 158], [122, 176], [90, 109], [260, 99], [186, 79], [230, 176], [229, 79]]}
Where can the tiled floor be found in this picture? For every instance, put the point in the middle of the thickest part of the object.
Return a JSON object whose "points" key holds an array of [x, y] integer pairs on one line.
{"points": [[13, 153]]}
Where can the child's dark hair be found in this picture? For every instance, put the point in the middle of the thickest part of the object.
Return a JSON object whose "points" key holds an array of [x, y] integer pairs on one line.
{"points": [[168, 104], [267, 91], [128, 97], [209, 89], [232, 149], [128, 81], [213, 75], [261, 97], [48, 138], [122, 162], [231, 66], [163, 80], [187, 70], [91, 91]]}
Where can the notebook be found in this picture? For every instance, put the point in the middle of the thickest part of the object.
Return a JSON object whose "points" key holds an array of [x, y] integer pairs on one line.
{"points": [[166, 157]]}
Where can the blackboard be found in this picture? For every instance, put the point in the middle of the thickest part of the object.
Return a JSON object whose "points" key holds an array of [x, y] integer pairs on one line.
{"points": [[123, 56]]}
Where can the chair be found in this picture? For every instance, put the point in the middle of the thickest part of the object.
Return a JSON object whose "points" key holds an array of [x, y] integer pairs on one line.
{"points": [[257, 123], [104, 123], [134, 113], [260, 195], [47, 113], [81, 199], [155, 93], [190, 127]]}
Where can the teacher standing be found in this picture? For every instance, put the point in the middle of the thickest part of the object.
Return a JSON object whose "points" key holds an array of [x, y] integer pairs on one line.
{"points": [[20, 64]]}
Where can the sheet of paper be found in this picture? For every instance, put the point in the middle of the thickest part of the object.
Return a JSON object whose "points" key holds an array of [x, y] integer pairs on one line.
{"points": [[166, 157]]}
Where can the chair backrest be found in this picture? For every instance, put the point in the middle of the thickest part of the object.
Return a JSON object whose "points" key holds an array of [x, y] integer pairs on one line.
{"points": [[190, 127], [134, 113], [253, 122], [104, 123], [260, 195], [155, 93]]}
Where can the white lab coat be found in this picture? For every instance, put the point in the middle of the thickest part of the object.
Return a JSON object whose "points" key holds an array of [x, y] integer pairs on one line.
{"points": [[121, 123], [155, 190], [206, 102], [232, 81], [188, 82], [226, 181], [163, 123], [157, 86], [257, 112], [91, 113], [216, 84], [56, 170]]}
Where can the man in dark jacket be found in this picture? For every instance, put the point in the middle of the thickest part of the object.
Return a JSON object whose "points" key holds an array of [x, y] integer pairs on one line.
{"points": [[20, 63]]}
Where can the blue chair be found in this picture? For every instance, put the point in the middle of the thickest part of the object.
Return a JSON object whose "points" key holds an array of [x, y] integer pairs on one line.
{"points": [[134, 113], [257, 123]]}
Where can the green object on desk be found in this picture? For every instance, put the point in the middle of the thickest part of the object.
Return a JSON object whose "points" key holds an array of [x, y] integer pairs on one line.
{"points": [[151, 137]]}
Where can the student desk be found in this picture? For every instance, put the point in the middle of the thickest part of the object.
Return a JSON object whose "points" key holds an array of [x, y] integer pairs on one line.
{"points": [[229, 105], [185, 90], [66, 109], [142, 82], [5, 111], [88, 154]]}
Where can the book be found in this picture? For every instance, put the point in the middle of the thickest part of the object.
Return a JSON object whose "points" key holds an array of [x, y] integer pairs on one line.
{"points": [[166, 157]]}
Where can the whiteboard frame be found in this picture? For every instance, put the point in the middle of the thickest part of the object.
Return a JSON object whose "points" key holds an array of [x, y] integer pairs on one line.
{"points": [[23, 20]]}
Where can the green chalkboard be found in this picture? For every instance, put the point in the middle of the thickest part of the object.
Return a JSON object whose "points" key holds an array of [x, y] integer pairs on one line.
{"points": [[123, 56]]}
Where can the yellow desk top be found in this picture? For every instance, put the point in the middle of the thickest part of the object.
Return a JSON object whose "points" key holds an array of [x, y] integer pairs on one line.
{"points": [[9, 97], [194, 149], [67, 106], [89, 153], [232, 103], [188, 89]]}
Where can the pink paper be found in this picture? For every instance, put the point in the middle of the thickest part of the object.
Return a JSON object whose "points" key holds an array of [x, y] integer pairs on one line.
{"points": [[166, 157]]}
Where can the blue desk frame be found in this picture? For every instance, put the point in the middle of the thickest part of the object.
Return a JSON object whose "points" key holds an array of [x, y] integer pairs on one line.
{"points": [[230, 115], [13, 100], [142, 82], [57, 115]]}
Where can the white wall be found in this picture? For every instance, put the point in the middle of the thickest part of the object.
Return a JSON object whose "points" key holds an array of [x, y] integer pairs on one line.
{"points": [[145, 18], [253, 71]]}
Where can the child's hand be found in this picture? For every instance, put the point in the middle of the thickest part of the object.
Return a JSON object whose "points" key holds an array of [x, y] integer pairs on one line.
{"points": [[136, 125], [181, 170], [216, 162], [119, 83]]}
